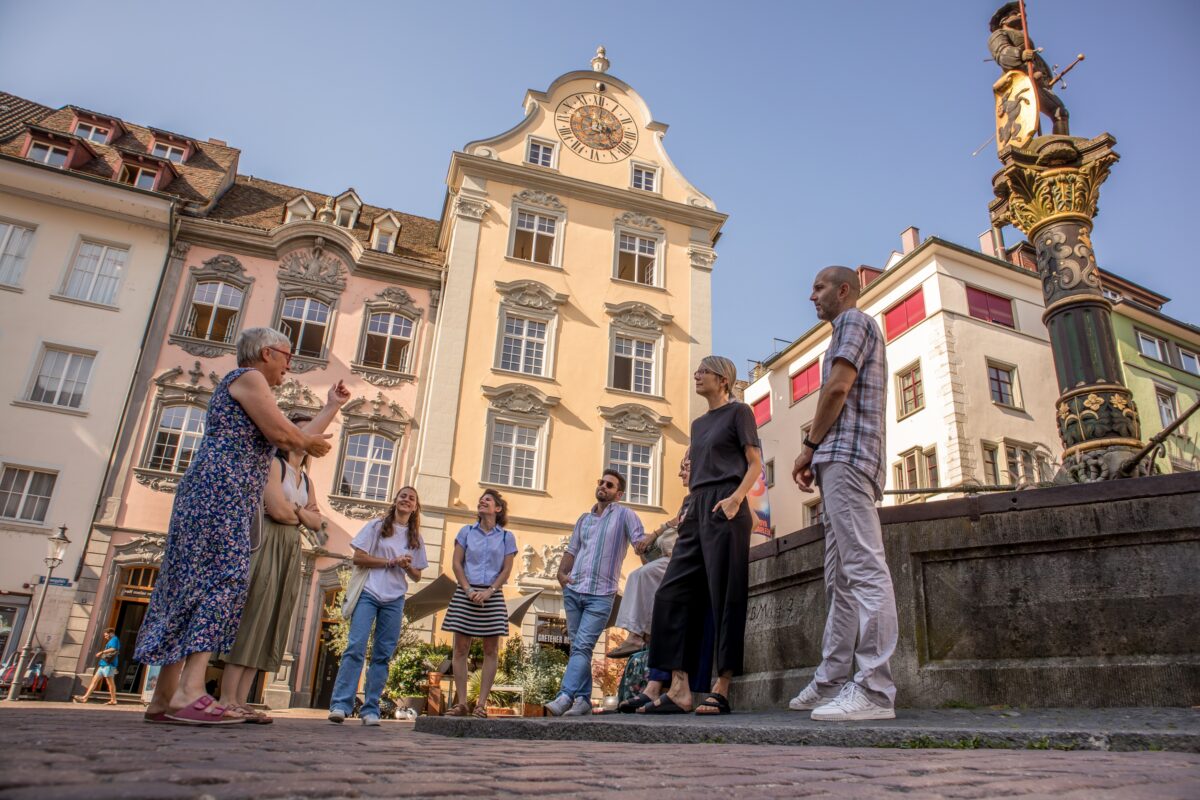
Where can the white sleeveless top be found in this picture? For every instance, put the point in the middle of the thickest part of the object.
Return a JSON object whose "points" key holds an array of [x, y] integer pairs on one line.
{"points": [[295, 488]]}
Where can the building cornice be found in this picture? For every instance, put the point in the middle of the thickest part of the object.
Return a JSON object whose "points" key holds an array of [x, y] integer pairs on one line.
{"points": [[1176, 328], [462, 164], [269, 244], [129, 204]]}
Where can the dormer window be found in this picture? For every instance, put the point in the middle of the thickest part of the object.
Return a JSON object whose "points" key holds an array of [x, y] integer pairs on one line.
{"points": [[171, 147], [169, 152], [50, 154], [346, 208], [384, 231], [137, 176], [300, 208], [92, 132]]}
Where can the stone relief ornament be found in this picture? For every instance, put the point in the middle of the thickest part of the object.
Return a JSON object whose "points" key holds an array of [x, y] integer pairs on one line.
{"points": [[396, 298], [638, 316], [356, 509], [195, 348], [702, 258], [146, 548], [517, 398], [534, 197], [291, 395], [180, 250], [158, 481], [634, 219], [380, 414], [382, 378], [634, 418], [550, 557], [531, 294], [470, 207], [314, 266]]}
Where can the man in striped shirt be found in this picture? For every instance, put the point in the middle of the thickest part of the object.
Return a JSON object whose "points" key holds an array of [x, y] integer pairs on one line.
{"points": [[843, 453], [588, 573]]}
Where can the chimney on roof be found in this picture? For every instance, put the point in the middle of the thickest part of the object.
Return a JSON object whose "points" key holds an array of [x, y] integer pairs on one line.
{"points": [[991, 243], [221, 142], [909, 239]]}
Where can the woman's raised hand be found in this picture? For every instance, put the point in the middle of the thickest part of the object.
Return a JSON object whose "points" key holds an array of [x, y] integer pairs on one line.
{"points": [[318, 445], [338, 394]]}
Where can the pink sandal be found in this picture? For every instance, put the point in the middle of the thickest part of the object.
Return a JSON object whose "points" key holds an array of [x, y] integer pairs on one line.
{"points": [[198, 713]]}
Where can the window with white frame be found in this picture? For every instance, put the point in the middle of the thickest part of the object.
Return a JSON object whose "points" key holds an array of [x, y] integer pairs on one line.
{"points": [[387, 341], [1020, 462], [1189, 360], [645, 178], [96, 273], [637, 258], [299, 208], [367, 464], [25, 493], [523, 348], [633, 365], [62, 378], [176, 438], [991, 464], [814, 513], [49, 154], [513, 454], [534, 237], [541, 153], [305, 321], [635, 461], [1152, 347], [135, 175], [1167, 409], [910, 392], [92, 132], [15, 241], [916, 469], [1002, 384], [214, 311], [169, 152]]}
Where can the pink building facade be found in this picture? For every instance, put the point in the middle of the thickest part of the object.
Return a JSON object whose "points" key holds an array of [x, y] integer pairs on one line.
{"points": [[356, 288]]}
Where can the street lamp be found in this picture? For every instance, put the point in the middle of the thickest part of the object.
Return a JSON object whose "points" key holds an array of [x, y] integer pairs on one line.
{"points": [[56, 551]]}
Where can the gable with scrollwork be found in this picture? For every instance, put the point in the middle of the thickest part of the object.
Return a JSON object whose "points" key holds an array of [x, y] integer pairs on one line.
{"points": [[519, 399], [530, 295], [291, 395], [380, 415], [397, 299], [225, 268], [313, 271], [634, 418], [638, 317]]}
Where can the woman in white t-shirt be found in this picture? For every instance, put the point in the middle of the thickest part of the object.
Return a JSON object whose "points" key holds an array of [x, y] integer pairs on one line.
{"points": [[392, 552]]}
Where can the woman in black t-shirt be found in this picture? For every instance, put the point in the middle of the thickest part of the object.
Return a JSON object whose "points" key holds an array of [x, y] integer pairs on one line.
{"points": [[710, 567]]}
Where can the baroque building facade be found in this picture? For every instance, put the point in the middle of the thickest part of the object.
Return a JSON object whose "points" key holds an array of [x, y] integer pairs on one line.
{"points": [[576, 305]]}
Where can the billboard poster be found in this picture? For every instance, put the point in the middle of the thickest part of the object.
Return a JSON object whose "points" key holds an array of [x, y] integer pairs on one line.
{"points": [[760, 507]]}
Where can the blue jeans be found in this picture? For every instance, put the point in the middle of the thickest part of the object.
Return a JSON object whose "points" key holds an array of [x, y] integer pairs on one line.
{"points": [[587, 616], [385, 618]]}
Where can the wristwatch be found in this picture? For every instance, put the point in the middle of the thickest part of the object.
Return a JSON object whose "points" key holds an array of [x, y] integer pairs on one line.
{"points": [[810, 444]]}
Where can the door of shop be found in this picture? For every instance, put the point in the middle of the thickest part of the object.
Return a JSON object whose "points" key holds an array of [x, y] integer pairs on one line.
{"points": [[129, 609], [325, 665]]}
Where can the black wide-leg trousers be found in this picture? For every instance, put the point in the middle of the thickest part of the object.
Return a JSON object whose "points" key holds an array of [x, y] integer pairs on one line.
{"points": [[709, 572]]}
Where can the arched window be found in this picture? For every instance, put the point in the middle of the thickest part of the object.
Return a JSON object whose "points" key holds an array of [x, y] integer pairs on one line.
{"points": [[305, 321], [215, 307], [387, 341], [176, 438], [367, 467]]}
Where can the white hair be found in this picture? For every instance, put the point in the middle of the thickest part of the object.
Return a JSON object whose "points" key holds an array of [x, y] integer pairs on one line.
{"points": [[252, 341]]}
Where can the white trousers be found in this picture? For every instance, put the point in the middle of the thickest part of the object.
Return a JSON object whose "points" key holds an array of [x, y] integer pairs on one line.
{"points": [[861, 626], [637, 603]]}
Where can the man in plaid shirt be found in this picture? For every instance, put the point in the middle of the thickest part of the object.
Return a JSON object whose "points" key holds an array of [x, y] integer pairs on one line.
{"points": [[843, 453]]}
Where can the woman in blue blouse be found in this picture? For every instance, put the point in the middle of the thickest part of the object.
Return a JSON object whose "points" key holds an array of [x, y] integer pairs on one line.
{"points": [[483, 560]]}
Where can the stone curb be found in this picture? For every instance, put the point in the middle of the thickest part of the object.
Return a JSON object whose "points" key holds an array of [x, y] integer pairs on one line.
{"points": [[1158, 729]]}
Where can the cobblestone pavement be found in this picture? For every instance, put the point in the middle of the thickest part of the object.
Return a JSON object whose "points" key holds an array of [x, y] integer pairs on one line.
{"points": [[55, 751]]}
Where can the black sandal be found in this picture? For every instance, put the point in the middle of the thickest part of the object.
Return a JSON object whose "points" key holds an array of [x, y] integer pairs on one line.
{"points": [[714, 700], [664, 705], [631, 705]]}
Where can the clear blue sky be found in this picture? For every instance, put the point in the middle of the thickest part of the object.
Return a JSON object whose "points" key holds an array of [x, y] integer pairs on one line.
{"points": [[823, 128]]}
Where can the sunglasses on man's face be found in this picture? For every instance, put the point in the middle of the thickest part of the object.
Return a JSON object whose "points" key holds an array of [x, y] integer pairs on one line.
{"points": [[606, 484]]}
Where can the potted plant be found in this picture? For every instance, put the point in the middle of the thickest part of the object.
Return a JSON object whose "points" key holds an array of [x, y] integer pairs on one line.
{"points": [[407, 675], [539, 676], [606, 674]]}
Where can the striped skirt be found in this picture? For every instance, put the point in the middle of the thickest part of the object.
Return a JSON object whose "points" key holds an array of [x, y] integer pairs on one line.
{"points": [[472, 619]]}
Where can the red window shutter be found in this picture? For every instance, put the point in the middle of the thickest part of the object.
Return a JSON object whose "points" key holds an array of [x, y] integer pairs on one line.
{"points": [[895, 322], [1001, 310], [904, 315], [915, 307], [977, 303], [806, 381], [762, 410]]}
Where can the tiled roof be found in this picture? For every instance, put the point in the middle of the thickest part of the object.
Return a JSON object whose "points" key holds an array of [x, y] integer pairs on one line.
{"points": [[200, 179], [257, 203], [15, 112]]}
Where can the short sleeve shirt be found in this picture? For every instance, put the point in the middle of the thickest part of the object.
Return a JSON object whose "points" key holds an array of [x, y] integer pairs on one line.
{"points": [[599, 543], [111, 661], [857, 436], [387, 585], [719, 441], [485, 552]]}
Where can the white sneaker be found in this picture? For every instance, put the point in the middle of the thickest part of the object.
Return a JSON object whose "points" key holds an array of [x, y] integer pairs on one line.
{"points": [[337, 716], [809, 698], [370, 721], [580, 708], [558, 706], [851, 703]]}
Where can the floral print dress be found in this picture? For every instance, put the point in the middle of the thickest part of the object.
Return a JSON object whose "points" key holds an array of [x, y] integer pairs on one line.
{"points": [[201, 587]]}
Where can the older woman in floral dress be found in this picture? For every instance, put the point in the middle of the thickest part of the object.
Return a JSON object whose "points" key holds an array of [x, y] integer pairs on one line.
{"points": [[197, 600]]}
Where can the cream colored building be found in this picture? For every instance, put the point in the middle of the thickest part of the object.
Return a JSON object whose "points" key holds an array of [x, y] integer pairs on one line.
{"points": [[576, 306], [972, 389], [80, 261]]}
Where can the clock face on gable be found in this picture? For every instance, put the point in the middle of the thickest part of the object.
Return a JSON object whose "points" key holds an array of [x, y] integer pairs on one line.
{"points": [[596, 127]]}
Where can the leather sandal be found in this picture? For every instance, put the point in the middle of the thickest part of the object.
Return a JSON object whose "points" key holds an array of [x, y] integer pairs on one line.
{"points": [[458, 710]]}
